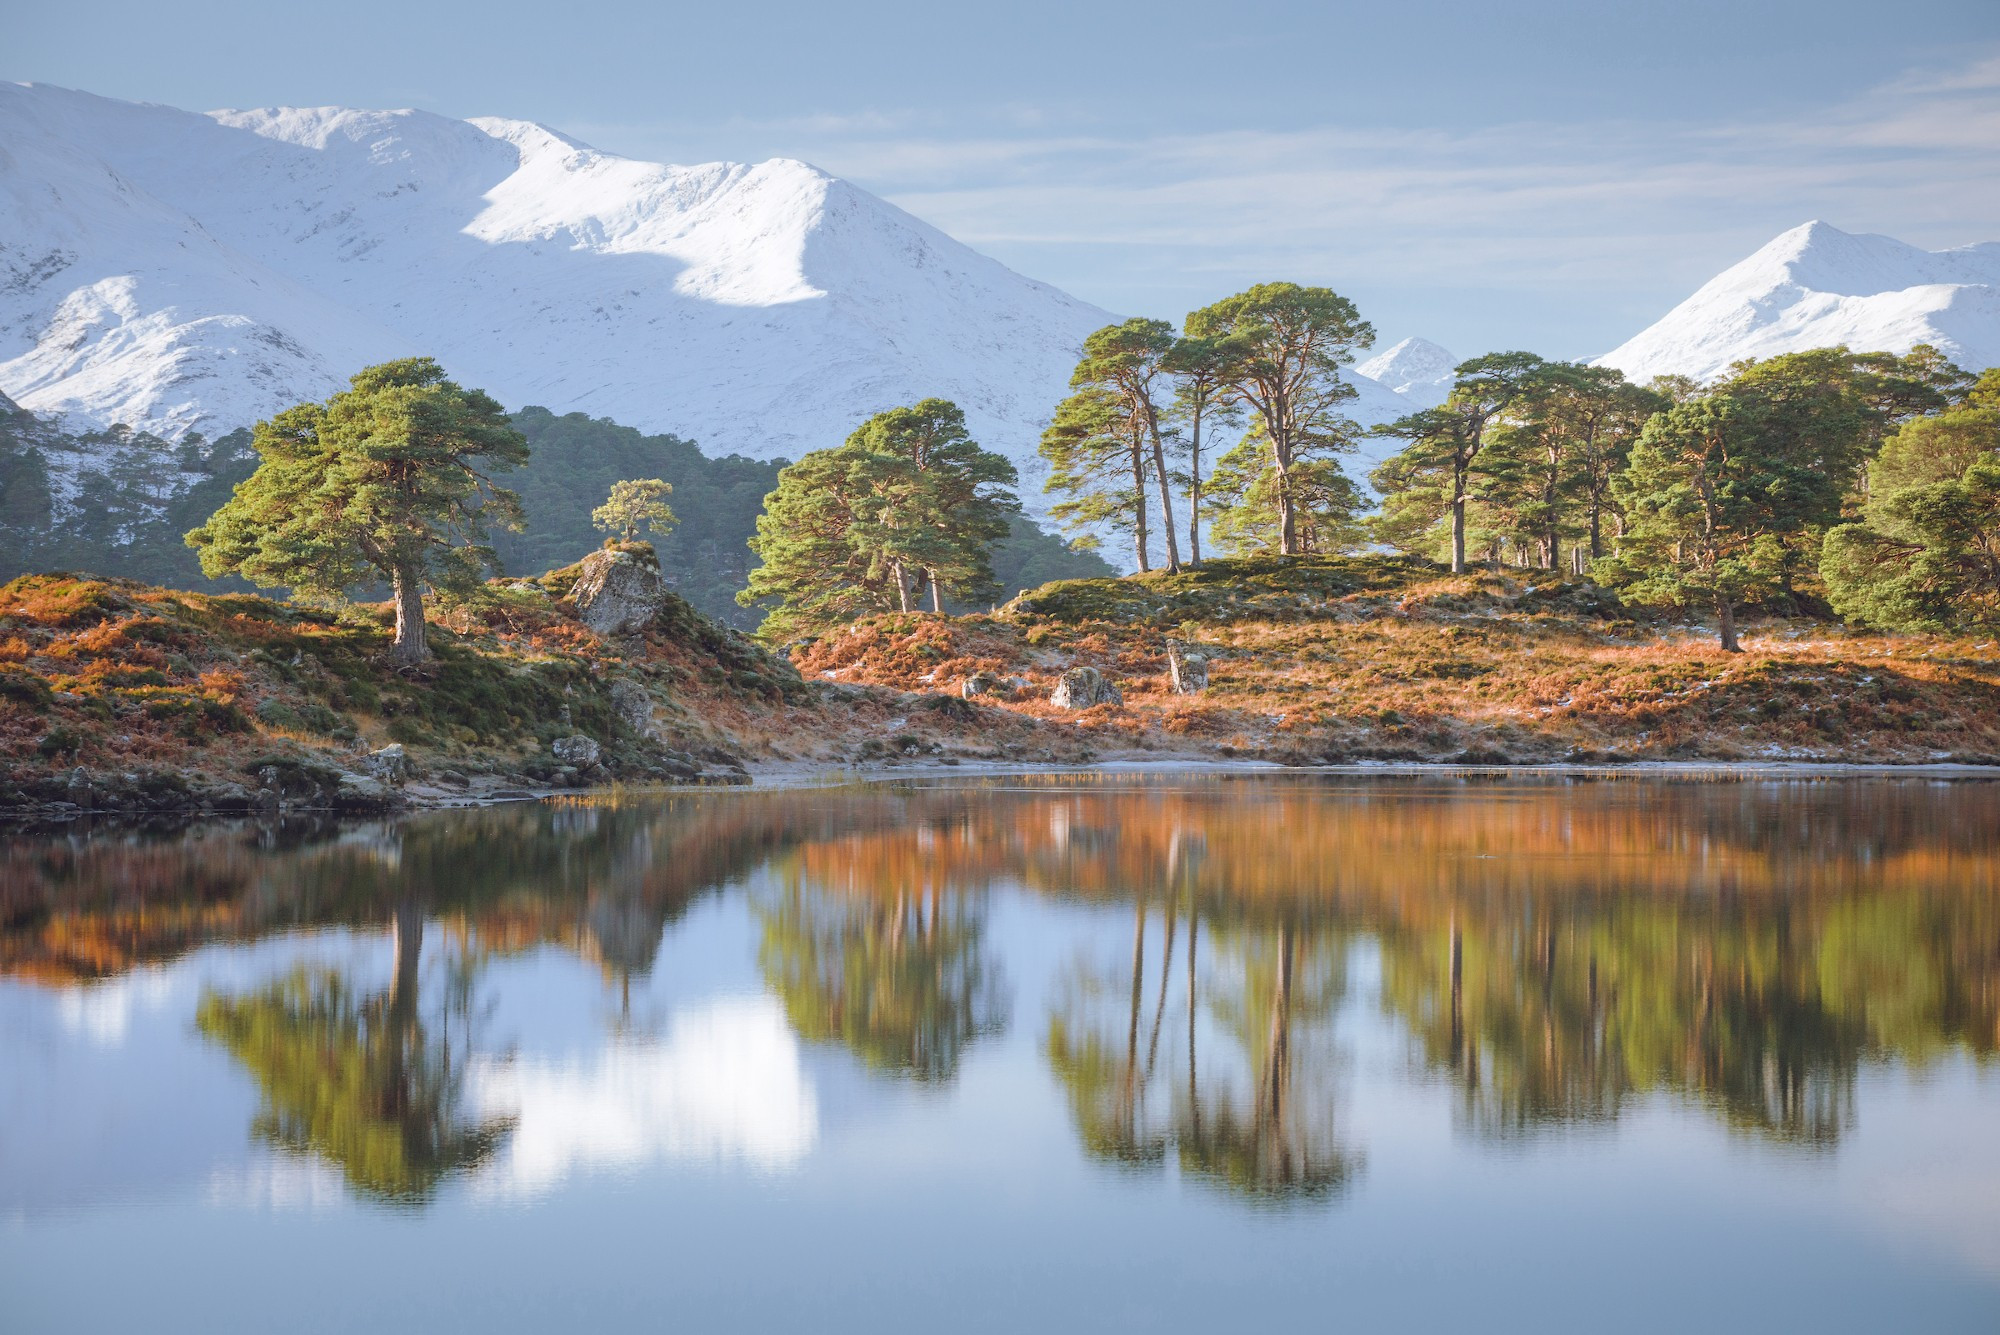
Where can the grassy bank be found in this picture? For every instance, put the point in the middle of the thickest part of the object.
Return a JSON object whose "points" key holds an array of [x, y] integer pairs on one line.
{"points": [[1351, 659]]}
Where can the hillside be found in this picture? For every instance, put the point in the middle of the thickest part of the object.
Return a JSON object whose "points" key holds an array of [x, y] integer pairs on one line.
{"points": [[1343, 660], [1819, 287], [118, 696], [121, 697]]}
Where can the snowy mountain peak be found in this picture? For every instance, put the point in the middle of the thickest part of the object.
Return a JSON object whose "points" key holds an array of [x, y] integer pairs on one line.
{"points": [[175, 270], [1416, 368], [1817, 286]]}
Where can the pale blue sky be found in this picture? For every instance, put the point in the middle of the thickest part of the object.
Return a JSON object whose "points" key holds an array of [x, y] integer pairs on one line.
{"points": [[1547, 175]]}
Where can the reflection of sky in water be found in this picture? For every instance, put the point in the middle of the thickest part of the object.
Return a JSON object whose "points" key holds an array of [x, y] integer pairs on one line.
{"points": [[724, 1085]]}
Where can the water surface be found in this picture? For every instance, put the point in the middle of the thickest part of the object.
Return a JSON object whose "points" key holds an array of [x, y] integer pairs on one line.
{"points": [[1125, 1053]]}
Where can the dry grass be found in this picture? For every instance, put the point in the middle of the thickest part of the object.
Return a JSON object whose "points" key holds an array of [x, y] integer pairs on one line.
{"points": [[1484, 667]]}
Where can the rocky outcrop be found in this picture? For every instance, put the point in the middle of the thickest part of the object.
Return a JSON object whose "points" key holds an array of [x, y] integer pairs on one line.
{"points": [[578, 750], [985, 683], [1187, 670], [618, 591], [1082, 687], [633, 704], [389, 766]]}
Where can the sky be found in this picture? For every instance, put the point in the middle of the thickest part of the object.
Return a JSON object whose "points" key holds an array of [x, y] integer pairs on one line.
{"points": [[1540, 174]]}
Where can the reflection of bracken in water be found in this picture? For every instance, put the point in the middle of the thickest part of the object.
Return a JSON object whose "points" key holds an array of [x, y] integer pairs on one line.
{"points": [[356, 1079]]}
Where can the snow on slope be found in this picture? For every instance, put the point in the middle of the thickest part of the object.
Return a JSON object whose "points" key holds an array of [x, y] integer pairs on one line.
{"points": [[172, 270], [1416, 368], [1817, 286]]}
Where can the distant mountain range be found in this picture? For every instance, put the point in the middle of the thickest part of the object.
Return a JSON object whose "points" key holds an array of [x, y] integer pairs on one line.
{"points": [[175, 271], [1817, 286]]}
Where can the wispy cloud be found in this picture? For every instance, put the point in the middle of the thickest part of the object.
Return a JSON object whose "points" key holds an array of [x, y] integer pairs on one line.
{"points": [[1546, 225]]}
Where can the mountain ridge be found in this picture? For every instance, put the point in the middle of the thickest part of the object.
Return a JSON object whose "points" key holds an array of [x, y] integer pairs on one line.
{"points": [[1815, 285]]}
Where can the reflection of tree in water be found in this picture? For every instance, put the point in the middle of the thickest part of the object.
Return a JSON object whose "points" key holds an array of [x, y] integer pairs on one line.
{"points": [[356, 1078], [1558, 1011], [1254, 1114], [897, 973]]}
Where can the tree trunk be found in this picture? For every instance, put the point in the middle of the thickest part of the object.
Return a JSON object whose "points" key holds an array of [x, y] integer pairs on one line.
{"points": [[1458, 534], [1725, 619], [1139, 505], [1194, 493], [1288, 517], [902, 587], [410, 645], [1596, 531], [1166, 501], [402, 1017], [937, 594]]}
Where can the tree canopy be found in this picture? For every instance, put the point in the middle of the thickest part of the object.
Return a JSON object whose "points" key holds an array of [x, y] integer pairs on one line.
{"points": [[1284, 347], [633, 504], [388, 480], [909, 501]]}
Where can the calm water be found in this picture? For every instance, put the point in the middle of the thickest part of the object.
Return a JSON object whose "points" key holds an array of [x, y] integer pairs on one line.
{"points": [[1018, 1054]]}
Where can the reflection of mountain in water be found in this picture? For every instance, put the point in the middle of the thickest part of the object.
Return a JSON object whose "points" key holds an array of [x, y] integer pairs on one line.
{"points": [[1554, 951]]}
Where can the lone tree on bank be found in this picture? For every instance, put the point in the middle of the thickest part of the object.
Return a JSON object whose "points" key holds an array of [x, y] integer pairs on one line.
{"points": [[635, 504], [387, 480]]}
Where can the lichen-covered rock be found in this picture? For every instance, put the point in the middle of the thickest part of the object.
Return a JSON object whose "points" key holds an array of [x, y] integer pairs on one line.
{"points": [[984, 683], [389, 766], [1187, 670], [1082, 687], [634, 705], [618, 592], [579, 751]]}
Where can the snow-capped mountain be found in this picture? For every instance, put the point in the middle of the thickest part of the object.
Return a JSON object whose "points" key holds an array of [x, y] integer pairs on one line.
{"points": [[171, 271], [1817, 286], [1416, 368]]}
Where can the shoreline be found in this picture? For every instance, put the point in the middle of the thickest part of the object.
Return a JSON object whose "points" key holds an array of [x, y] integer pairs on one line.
{"points": [[788, 776]]}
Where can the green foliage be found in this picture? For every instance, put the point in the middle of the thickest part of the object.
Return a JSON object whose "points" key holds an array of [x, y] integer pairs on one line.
{"points": [[910, 498], [1029, 557], [1283, 346], [1430, 481], [636, 504], [1707, 497], [1549, 462], [1243, 500], [1116, 380], [1926, 556], [387, 480], [1097, 465]]}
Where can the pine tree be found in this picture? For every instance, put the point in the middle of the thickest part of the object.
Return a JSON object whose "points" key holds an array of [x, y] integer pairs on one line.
{"points": [[1201, 373], [1709, 495], [1285, 345], [1101, 465], [1431, 479], [1242, 501], [1124, 364], [1926, 554], [387, 480], [1554, 453], [634, 504], [909, 500]]}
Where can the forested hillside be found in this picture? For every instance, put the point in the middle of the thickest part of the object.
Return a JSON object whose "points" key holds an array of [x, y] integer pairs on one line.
{"points": [[118, 502]]}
